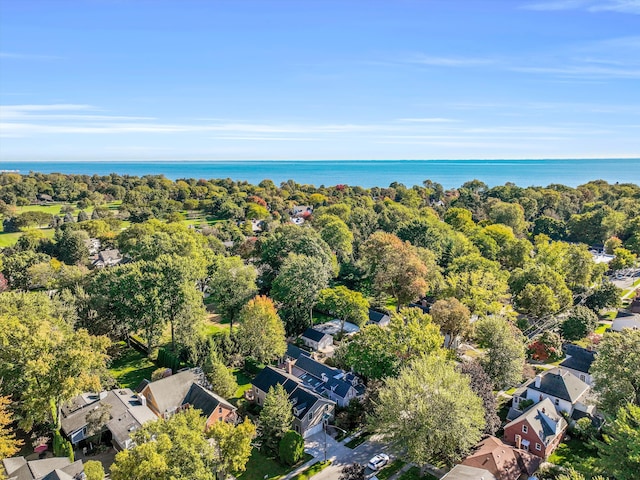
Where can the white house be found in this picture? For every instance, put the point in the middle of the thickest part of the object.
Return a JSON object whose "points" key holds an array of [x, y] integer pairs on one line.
{"points": [[578, 362], [563, 388], [316, 339]]}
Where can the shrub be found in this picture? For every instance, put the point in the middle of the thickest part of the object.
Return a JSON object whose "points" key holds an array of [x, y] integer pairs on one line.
{"points": [[291, 448], [93, 470]]}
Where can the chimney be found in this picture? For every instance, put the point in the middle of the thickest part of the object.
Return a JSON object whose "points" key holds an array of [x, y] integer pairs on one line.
{"points": [[289, 366], [103, 395], [518, 441], [538, 380], [143, 400]]}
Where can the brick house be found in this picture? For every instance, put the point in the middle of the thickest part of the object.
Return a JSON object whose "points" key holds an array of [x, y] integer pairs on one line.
{"points": [[168, 396], [539, 430]]}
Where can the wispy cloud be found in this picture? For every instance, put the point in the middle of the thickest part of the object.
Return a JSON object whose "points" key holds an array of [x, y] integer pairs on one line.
{"points": [[426, 120], [447, 61], [620, 6]]}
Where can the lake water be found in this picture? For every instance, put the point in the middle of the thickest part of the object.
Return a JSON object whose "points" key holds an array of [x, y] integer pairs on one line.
{"points": [[365, 173]]}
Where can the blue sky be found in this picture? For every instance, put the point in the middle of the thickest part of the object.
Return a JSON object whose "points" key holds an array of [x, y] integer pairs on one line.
{"points": [[302, 79]]}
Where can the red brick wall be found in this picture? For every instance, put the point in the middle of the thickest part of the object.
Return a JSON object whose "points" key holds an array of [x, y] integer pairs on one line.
{"points": [[516, 429]]}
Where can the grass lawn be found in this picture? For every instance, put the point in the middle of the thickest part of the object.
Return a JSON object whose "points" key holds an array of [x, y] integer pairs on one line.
{"points": [[312, 470], [243, 380], [390, 469], [359, 440], [319, 318], [574, 453], [511, 391], [260, 467], [131, 367], [414, 474], [601, 328], [9, 239]]}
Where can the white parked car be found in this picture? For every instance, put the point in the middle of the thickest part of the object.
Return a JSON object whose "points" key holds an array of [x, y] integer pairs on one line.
{"points": [[377, 462]]}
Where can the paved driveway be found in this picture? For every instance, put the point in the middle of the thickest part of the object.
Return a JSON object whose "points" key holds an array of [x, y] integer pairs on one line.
{"points": [[341, 455]]}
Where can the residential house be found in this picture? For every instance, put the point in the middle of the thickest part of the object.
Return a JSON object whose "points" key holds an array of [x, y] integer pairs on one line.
{"points": [[44, 198], [335, 327], [378, 318], [107, 258], [56, 468], [293, 353], [501, 460], [566, 391], [301, 210], [316, 340], [539, 430], [310, 409], [333, 383], [578, 362], [630, 321], [128, 412], [465, 472], [182, 390]]}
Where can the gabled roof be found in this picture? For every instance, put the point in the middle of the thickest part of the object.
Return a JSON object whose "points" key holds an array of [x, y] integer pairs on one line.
{"points": [[204, 400], [561, 384], [55, 468], [544, 420], [169, 392], [334, 377], [465, 472], [376, 317], [503, 461], [294, 352], [303, 399], [578, 358], [314, 335]]}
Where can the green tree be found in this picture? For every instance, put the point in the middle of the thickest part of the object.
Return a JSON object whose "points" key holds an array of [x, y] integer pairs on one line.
{"points": [[232, 444], [612, 244], [482, 386], [510, 214], [297, 288], [173, 449], [336, 233], [261, 334], [9, 444], [347, 305], [96, 419], [580, 322], [231, 284], [429, 410], [505, 355], [16, 268], [615, 371], [222, 381], [276, 418], [619, 450], [452, 316], [623, 258], [93, 470], [395, 268], [291, 448], [377, 353], [72, 248], [44, 363], [606, 295]]}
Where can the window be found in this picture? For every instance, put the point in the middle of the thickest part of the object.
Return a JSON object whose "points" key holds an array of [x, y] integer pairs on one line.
{"points": [[538, 447], [557, 402], [219, 409], [310, 416], [525, 429], [582, 377]]}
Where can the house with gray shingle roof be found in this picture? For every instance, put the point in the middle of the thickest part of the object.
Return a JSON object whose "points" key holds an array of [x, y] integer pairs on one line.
{"points": [[310, 409], [539, 430], [56, 468], [182, 390], [127, 410], [578, 362], [316, 340], [333, 383], [378, 318], [565, 390]]}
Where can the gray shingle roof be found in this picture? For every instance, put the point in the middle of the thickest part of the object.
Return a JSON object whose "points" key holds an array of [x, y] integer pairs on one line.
{"points": [[55, 468], [561, 384], [376, 317], [204, 400], [334, 377], [578, 358], [314, 335], [543, 419]]}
